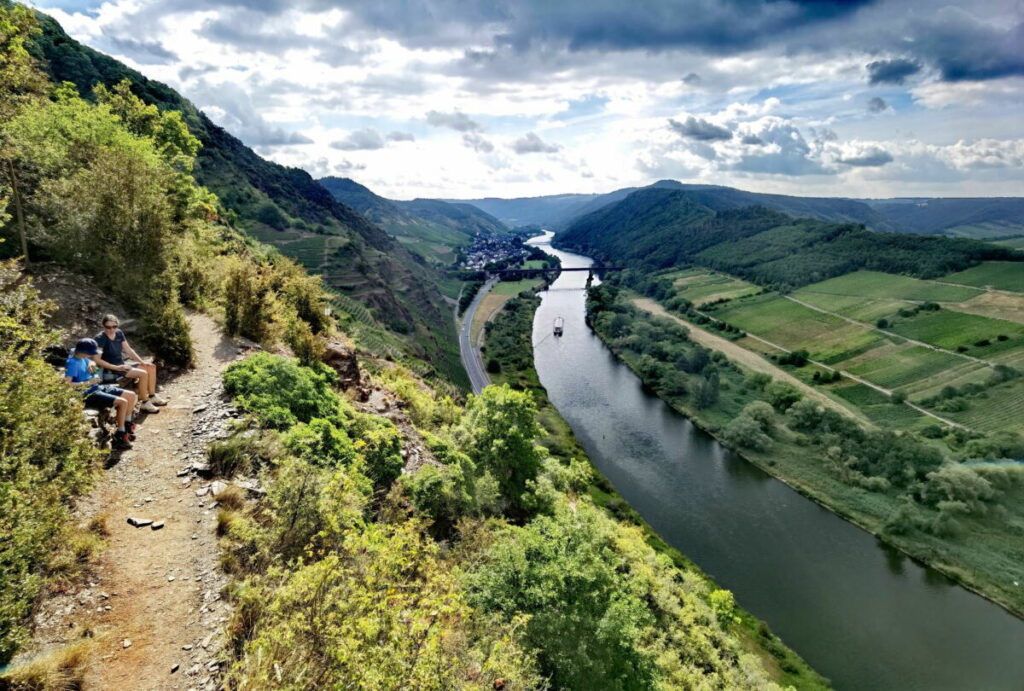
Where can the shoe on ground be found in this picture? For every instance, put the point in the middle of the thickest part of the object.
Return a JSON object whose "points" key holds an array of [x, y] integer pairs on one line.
{"points": [[121, 442], [157, 399], [149, 407]]}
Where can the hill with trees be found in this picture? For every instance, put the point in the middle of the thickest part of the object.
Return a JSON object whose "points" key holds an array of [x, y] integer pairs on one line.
{"points": [[431, 228], [659, 227], [990, 217], [969, 217], [282, 206]]}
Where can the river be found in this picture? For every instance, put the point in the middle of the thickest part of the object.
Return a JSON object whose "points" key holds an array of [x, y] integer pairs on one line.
{"points": [[859, 612]]}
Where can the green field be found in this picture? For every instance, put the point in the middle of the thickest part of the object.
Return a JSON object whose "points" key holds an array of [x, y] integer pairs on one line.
{"points": [[515, 287], [986, 230], [852, 306], [873, 284], [905, 366], [1016, 243], [878, 407], [700, 286], [1001, 275], [794, 326], [949, 329], [1001, 408]]}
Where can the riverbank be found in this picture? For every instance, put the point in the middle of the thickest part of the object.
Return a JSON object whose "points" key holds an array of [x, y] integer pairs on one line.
{"points": [[976, 551], [509, 342]]}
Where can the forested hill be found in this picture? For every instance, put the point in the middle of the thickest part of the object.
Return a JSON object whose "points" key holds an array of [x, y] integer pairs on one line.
{"points": [[281, 205], [659, 227], [969, 217], [983, 218], [425, 226]]}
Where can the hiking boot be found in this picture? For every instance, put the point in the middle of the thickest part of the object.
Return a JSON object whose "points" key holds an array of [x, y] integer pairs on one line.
{"points": [[129, 426], [157, 399], [149, 407], [120, 441]]}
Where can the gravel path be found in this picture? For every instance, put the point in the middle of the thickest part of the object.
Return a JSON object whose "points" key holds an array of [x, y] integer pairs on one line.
{"points": [[153, 602]]}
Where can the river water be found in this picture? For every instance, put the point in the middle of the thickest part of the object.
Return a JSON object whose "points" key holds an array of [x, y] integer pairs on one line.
{"points": [[860, 613]]}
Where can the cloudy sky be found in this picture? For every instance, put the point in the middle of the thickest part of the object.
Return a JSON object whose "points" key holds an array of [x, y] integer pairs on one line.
{"points": [[466, 98]]}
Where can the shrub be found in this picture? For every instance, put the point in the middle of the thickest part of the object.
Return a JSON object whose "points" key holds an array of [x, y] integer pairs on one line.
{"points": [[280, 392], [380, 443], [39, 471], [745, 432], [439, 494], [321, 443], [781, 395]]}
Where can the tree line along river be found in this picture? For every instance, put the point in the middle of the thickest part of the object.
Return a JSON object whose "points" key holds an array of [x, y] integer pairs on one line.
{"points": [[860, 613]]}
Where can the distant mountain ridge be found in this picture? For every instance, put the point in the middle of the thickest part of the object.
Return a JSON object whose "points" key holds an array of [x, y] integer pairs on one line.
{"points": [[659, 227], [971, 217], [429, 227]]}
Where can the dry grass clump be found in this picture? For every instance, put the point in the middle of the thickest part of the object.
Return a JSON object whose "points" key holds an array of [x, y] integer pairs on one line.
{"points": [[60, 670], [232, 497]]}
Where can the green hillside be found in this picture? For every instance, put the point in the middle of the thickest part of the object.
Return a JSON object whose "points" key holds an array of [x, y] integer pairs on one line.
{"points": [[657, 228], [430, 228], [285, 207]]}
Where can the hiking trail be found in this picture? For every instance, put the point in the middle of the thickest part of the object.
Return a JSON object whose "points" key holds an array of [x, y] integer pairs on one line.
{"points": [[153, 601]]}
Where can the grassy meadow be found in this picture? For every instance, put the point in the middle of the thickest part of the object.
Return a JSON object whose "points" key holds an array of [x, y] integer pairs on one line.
{"points": [[999, 275]]}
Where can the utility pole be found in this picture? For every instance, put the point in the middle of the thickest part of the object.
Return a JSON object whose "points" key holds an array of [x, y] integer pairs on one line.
{"points": [[19, 216]]}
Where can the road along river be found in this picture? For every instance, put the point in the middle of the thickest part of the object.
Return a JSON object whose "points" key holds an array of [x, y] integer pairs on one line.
{"points": [[860, 613]]}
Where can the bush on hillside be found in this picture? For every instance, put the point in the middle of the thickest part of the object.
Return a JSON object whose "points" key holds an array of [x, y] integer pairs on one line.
{"points": [[45, 455], [280, 392]]}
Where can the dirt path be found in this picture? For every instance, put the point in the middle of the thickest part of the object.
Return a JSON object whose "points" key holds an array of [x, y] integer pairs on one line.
{"points": [[154, 601]]}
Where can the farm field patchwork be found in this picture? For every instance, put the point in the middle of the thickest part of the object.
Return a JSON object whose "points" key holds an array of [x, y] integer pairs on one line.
{"points": [[794, 326], [1016, 243], [950, 329], [905, 366], [878, 407], [996, 305], [852, 306], [700, 286], [1000, 275], [967, 316], [874, 284]]}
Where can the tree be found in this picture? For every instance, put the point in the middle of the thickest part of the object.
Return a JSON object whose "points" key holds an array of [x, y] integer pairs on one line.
{"points": [[498, 431], [781, 395], [706, 393], [744, 431]]}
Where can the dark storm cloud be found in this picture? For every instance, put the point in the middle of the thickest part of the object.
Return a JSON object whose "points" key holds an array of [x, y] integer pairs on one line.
{"points": [[692, 79], [871, 158], [699, 129], [530, 143], [893, 71], [877, 105], [459, 122], [963, 48]]}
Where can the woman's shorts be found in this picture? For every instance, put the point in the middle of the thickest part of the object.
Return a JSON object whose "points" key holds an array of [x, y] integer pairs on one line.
{"points": [[103, 397]]}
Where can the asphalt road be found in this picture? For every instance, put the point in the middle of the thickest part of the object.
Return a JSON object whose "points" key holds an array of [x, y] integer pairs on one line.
{"points": [[471, 361]]}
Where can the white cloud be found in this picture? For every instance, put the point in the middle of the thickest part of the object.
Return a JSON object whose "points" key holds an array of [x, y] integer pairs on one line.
{"points": [[417, 104]]}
